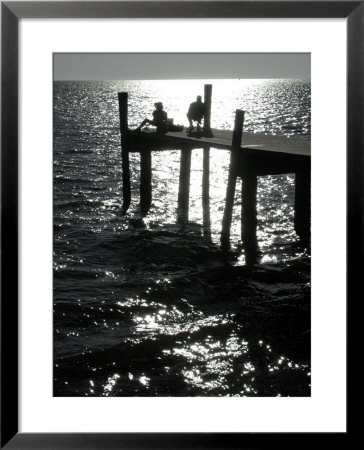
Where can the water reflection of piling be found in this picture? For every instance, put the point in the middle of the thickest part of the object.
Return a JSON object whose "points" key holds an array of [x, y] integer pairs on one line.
{"points": [[261, 156]]}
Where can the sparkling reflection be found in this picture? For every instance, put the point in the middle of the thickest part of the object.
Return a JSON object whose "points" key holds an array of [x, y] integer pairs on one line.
{"points": [[149, 307]]}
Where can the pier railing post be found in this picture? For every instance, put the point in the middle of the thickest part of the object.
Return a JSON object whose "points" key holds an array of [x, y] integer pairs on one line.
{"points": [[123, 113], [207, 118], [238, 131]]}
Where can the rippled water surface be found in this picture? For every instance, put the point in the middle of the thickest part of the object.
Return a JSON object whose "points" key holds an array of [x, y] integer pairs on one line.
{"points": [[152, 308]]}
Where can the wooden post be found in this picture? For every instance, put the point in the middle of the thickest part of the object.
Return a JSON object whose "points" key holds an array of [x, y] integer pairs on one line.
{"points": [[228, 210], [206, 193], [249, 216], [207, 118], [233, 171], [238, 131], [302, 218], [145, 181], [123, 112], [184, 186]]}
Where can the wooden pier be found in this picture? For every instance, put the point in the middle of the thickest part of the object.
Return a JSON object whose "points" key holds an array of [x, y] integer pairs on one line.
{"points": [[251, 155]]}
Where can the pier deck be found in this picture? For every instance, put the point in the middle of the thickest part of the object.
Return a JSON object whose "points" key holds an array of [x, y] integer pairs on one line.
{"points": [[222, 139]]}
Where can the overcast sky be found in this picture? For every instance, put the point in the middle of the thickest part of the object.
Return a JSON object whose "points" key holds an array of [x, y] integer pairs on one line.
{"points": [[164, 66]]}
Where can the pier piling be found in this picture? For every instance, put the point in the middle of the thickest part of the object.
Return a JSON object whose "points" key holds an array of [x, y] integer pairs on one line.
{"points": [[233, 171], [302, 204], [184, 186], [206, 193], [249, 217], [145, 181], [123, 112], [228, 210]]}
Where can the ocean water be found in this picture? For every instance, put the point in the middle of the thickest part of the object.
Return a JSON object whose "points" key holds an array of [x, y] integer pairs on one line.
{"points": [[152, 308]]}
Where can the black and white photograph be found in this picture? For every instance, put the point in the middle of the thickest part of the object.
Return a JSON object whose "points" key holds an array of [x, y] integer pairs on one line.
{"points": [[181, 217]]}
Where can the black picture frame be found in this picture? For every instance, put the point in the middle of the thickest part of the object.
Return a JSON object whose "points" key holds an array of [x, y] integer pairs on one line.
{"points": [[11, 12]]}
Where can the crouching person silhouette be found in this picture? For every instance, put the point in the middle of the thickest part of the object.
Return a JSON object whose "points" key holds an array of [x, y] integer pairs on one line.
{"points": [[196, 113]]}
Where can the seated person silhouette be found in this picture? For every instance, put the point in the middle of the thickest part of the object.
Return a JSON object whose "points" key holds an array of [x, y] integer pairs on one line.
{"points": [[159, 119], [195, 113]]}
